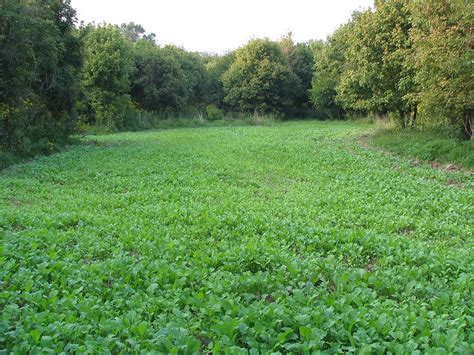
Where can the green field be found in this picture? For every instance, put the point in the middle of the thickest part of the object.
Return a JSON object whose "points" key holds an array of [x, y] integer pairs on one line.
{"points": [[284, 238]]}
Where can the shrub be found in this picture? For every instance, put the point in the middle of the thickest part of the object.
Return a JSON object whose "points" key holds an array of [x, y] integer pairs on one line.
{"points": [[214, 113], [7, 159]]}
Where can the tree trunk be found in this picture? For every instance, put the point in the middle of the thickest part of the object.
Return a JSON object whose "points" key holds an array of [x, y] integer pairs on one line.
{"points": [[402, 119], [415, 113], [468, 125]]}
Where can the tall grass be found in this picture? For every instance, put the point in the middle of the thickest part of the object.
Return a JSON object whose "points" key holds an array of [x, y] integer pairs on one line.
{"points": [[428, 145]]}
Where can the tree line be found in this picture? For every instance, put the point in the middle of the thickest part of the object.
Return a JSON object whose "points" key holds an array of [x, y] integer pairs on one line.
{"points": [[411, 59], [408, 59]]}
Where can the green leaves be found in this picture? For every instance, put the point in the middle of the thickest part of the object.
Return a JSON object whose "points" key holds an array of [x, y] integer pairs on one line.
{"points": [[305, 333], [260, 80], [378, 77], [107, 59], [412, 60], [106, 75], [35, 335], [39, 62], [443, 59], [141, 329], [286, 238]]}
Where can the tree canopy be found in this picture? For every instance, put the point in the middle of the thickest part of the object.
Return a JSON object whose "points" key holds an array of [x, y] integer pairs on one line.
{"points": [[40, 60], [260, 79], [410, 60]]}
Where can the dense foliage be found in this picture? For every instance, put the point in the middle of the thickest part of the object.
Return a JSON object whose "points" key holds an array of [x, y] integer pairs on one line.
{"points": [[330, 63], [289, 238], [106, 76], [377, 78], [166, 79], [300, 58], [293, 237], [214, 88], [407, 59], [260, 79], [39, 62], [444, 60]]}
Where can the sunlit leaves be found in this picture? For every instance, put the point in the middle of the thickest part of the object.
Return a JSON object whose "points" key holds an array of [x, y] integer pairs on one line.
{"points": [[288, 238]]}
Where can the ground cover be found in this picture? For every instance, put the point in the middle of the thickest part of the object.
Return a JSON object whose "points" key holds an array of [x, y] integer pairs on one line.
{"points": [[291, 237], [426, 145]]}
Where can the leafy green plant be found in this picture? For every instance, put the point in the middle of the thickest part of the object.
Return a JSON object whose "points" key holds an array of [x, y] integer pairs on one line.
{"points": [[39, 62], [284, 238], [432, 144], [214, 113], [260, 79]]}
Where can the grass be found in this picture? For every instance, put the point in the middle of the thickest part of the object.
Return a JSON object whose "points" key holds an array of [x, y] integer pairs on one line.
{"points": [[7, 159], [283, 238], [426, 145], [188, 122]]}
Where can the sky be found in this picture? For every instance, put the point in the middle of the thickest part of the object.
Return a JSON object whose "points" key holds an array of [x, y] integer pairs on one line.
{"points": [[218, 26]]}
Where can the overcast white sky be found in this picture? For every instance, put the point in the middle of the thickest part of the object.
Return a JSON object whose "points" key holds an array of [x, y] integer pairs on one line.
{"points": [[221, 25]]}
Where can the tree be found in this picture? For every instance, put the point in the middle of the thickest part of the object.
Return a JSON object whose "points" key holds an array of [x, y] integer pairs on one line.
{"points": [[444, 60], [300, 58], [194, 72], [260, 80], [39, 61], [214, 88], [106, 75], [330, 63], [184, 79], [158, 82], [135, 32], [148, 76], [379, 78]]}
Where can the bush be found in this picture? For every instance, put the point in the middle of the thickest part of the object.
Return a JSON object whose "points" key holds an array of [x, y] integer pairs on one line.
{"points": [[7, 159], [260, 79], [214, 113]]}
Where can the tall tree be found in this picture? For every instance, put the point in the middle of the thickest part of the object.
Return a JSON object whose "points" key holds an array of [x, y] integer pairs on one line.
{"points": [[214, 88], [379, 78], [260, 79], [39, 61], [330, 63], [192, 72], [135, 32], [148, 78], [107, 74], [444, 60], [300, 58], [159, 81]]}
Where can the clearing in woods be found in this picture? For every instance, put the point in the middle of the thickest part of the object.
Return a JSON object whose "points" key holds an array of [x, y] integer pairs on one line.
{"points": [[282, 238]]}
